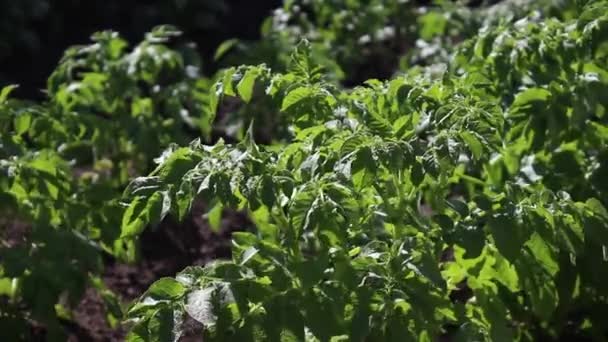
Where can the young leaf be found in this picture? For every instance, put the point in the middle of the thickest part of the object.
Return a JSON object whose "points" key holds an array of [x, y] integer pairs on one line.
{"points": [[295, 96], [166, 289], [246, 86]]}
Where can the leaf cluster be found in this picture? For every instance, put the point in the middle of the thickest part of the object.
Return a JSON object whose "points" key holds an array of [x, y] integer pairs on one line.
{"points": [[469, 204]]}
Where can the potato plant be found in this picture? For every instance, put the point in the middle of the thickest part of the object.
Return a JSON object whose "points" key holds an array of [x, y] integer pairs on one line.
{"points": [[462, 198], [467, 203], [64, 163]]}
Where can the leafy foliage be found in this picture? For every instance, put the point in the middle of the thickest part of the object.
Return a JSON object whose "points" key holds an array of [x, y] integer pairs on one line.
{"points": [[65, 162], [469, 203], [345, 36], [465, 197]]}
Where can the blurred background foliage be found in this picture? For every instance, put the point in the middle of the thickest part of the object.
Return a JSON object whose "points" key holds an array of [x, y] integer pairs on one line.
{"points": [[354, 40], [35, 33]]}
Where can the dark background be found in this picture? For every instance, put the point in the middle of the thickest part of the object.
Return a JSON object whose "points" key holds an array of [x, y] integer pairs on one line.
{"points": [[35, 33]]}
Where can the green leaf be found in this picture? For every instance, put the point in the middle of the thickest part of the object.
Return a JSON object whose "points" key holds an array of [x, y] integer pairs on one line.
{"points": [[540, 287], [302, 211], [224, 48], [458, 206], [506, 274], [363, 168], [139, 333], [508, 236], [227, 82], [266, 191], [473, 143], [495, 314], [215, 94], [160, 326], [246, 86], [133, 221], [530, 100], [417, 173], [166, 289], [184, 198], [543, 254], [6, 287], [22, 123], [471, 238], [176, 164], [214, 216], [143, 212], [295, 96], [6, 91], [597, 208], [201, 304]]}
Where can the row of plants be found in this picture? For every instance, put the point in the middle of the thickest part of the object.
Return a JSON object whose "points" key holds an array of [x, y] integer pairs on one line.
{"points": [[464, 197], [34, 33], [467, 202], [110, 111]]}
